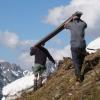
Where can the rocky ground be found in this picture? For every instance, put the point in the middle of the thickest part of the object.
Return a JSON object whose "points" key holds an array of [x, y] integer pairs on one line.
{"points": [[62, 85]]}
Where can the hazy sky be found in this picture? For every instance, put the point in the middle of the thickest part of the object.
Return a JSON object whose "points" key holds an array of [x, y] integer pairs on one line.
{"points": [[24, 22]]}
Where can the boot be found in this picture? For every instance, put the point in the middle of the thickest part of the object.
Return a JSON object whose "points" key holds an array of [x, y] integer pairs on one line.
{"points": [[35, 85], [77, 78], [81, 78], [40, 82]]}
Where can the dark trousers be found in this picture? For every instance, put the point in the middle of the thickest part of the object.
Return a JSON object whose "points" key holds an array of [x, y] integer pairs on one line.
{"points": [[78, 55]]}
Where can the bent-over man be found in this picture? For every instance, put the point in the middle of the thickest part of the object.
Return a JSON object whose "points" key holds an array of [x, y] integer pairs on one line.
{"points": [[41, 54]]}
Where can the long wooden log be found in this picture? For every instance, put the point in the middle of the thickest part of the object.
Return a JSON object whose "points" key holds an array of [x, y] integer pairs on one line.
{"points": [[53, 33]]}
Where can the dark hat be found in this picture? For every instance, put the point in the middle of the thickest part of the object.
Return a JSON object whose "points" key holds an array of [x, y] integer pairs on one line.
{"points": [[78, 13]]}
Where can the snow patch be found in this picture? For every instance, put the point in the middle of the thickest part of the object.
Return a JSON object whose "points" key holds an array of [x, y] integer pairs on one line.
{"points": [[95, 44], [24, 84], [15, 88]]}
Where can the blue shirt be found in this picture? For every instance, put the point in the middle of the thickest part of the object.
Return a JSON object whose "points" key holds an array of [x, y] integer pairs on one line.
{"points": [[77, 28]]}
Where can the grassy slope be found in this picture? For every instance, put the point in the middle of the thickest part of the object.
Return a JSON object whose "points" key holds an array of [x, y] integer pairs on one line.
{"points": [[61, 85]]}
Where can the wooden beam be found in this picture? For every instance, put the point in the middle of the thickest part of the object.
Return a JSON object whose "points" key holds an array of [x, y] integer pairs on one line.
{"points": [[53, 33]]}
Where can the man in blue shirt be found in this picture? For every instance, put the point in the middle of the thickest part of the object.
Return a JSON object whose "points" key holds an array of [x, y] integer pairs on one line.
{"points": [[78, 43]]}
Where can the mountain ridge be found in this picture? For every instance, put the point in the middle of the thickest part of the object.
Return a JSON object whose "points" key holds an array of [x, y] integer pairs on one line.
{"points": [[61, 85]]}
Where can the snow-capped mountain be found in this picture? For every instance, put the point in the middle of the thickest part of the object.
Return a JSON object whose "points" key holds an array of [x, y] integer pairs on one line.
{"points": [[94, 45], [10, 72], [16, 88], [26, 83]]}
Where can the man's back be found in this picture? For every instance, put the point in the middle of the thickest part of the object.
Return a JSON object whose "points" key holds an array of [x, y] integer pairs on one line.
{"points": [[41, 55], [77, 28]]}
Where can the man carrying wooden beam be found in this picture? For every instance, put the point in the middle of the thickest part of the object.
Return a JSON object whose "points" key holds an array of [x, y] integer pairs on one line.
{"points": [[78, 43], [41, 54]]}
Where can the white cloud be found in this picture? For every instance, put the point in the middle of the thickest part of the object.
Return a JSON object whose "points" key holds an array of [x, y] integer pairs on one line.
{"points": [[57, 41], [95, 45], [1, 60], [90, 9], [58, 54], [55, 15], [26, 42], [26, 60], [25, 45], [9, 39]]}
